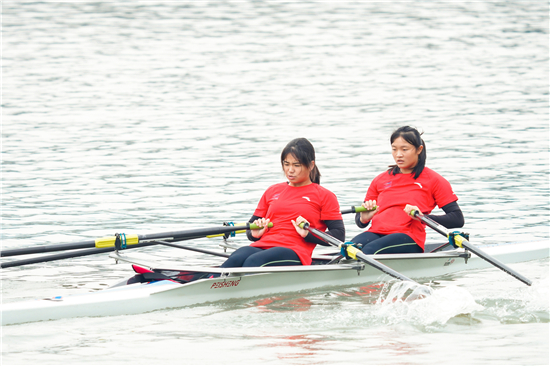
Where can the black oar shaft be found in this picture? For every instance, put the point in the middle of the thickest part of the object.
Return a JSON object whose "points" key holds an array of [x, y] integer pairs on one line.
{"points": [[372, 262], [145, 240], [472, 248], [71, 254], [495, 262], [47, 248], [166, 236], [348, 210]]}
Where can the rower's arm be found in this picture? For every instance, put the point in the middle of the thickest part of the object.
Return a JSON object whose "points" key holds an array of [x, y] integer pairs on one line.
{"points": [[248, 233], [453, 217], [335, 228], [358, 221]]}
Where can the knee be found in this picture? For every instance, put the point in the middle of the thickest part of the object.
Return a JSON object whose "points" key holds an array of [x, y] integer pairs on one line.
{"points": [[359, 239], [253, 261], [368, 249], [364, 238], [237, 258]]}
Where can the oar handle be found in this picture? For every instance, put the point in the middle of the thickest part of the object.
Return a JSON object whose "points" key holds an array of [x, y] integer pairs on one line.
{"points": [[255, 227], [250, 226], [356, 209]]}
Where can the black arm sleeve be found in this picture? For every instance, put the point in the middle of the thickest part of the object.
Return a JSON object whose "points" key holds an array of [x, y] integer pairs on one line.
{"points": [[358, 221], [335, 228], [453, 217], [248, 233]]}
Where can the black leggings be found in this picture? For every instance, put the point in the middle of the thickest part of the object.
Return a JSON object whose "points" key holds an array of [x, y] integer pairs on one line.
{"points": [[387, 244], [257, 257]]}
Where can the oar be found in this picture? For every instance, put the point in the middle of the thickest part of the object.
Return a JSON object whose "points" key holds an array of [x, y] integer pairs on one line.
{"points": [[355, 209], [71, 254], [234, 232], [130, 240], [356, 253], [463, 243]]}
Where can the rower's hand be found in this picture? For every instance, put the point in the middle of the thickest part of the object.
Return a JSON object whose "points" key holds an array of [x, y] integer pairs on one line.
{"points": [[263, 222], [410, 209], [303, 232], [372, 209]]}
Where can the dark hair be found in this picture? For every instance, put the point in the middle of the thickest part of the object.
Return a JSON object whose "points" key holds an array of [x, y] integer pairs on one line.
{"points": [[412, 136], [304, 152]]}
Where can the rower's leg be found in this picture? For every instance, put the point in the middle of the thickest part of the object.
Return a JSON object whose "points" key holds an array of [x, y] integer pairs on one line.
{"points": [[236, 259], [365, 238], [277, 256], [392, 244], [239, 256]]}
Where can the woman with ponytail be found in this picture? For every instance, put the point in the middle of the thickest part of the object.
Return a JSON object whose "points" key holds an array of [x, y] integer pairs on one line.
{"points": [[286, 205], [405, 187]]}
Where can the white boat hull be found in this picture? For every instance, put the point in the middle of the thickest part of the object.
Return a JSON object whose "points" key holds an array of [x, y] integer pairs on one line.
{"points": [[245, 283]]}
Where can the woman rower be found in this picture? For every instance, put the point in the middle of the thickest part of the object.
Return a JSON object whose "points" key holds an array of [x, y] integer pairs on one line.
{"points": [[407, 186], [286, 205]]}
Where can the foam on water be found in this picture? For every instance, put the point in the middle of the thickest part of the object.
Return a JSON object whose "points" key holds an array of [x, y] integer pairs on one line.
{"points": [[407, 302]]}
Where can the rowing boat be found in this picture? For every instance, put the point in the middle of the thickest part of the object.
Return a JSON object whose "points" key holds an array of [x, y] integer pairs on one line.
{"points": [[173, 289]]}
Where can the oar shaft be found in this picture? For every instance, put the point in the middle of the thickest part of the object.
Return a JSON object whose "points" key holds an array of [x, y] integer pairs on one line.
{"points": [[47, 248], [71, 254], [135, 239], [431, 223], [387, 270], [472, 248], [495, 262], [372, 262]]}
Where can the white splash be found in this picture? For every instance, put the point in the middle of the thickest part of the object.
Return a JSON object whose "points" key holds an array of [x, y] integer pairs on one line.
{"points": [[422, 305]]}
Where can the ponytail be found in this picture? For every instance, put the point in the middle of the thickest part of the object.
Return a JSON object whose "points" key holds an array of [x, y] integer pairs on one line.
{"points": [[315, 175]]}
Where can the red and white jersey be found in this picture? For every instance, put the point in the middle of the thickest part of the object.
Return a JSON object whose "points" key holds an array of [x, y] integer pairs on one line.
{"points": [[281, 203], [393, 192]]}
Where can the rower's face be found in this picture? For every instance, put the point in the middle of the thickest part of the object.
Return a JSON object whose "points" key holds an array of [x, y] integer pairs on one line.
{"points": [[405, 154], [296, 173]]}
